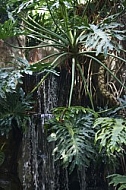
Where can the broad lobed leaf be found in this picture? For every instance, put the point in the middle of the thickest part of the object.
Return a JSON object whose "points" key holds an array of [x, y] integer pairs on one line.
{"points": [[111, 134]]}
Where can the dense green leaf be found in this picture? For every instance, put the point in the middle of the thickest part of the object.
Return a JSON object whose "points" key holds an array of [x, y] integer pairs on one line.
{"points": [[118, 180], [14, 111], [100, 37], [111, 134], [9, 29], [71, 129], [64, 30], [11, 76]]}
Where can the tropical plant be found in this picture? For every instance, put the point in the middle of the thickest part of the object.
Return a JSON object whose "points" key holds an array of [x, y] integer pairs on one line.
{"points": [[80, 42], [9, 29], [118, 181], [111, 137], [111, 134], [74, 39], [14, 103], [14, 111], [11, 76], [71, 130]]}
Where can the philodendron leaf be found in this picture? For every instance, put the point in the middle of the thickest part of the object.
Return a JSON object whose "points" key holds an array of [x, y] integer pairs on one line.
{"points": [[103, 37], [99, 40], [118, 180], [71, 130], [111, 134], [122, 187]]}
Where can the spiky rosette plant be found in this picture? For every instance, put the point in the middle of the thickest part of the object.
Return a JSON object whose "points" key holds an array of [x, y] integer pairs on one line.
{"points": [[73, 38]]}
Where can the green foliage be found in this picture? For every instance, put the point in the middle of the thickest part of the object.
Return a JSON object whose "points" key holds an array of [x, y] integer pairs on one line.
{"points": [[24, 5], [14, 111], [14, 103], [9, 81], [11, 76], [9, 29], [64, 27], [110, 137], [111, 134], [118, 180], [71, 130], [72, 36], [99, 38]]}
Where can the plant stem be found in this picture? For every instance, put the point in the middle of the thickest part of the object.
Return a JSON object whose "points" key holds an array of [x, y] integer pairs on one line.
{"points": [[72, 81], [85, 85]]}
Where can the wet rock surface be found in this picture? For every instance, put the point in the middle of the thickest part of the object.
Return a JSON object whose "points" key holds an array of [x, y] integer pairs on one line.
{"points": [[9, 179]]}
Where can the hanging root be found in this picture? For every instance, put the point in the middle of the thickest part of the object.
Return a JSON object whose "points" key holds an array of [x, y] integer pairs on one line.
{"points": [[102, 86]]}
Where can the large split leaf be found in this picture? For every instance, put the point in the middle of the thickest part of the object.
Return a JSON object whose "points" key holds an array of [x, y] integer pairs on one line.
{"points": [[111, 134], [101, 37], [14, 107], [71, 130], [118, 180]]}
